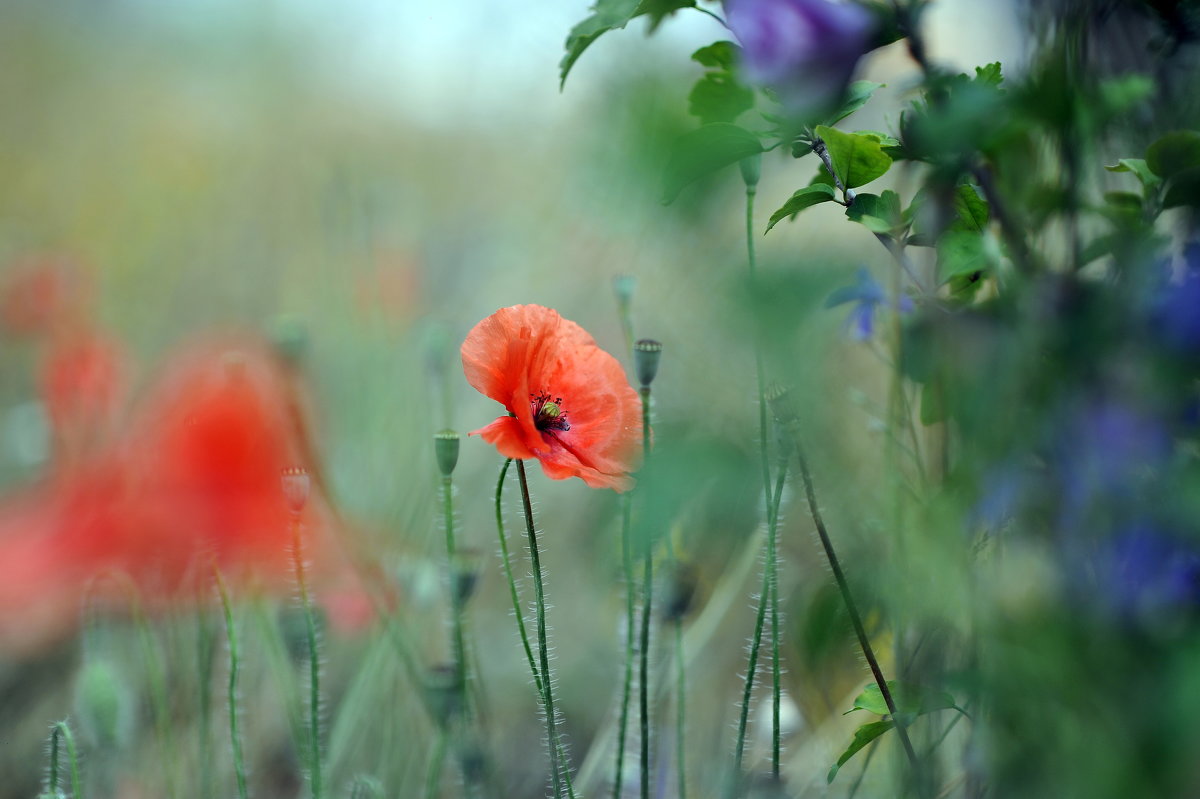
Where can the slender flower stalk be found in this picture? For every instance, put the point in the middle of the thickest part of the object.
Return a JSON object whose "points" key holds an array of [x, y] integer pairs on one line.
{"points": [[235, 737], [543, 648], [204, 656], [296, 485], [437, 757], [63, 730], [680, 710], [630, 615], [646, 357], [446, 444]]}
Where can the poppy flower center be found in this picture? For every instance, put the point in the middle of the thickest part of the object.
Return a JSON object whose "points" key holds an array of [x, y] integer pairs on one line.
{"points": [[548, 413]]}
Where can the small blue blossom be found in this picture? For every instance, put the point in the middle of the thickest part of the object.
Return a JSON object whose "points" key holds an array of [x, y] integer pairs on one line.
{"points": [[867, 296], [1144, 571], [1175, 313], [805, 50]]}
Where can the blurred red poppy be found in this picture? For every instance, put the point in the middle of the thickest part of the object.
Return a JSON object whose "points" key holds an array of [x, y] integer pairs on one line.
{"points": [[569, 402], [40, 291]]}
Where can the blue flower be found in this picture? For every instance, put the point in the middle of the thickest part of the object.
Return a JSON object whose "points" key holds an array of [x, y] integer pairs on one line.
{"points": [[1144, 571], [1175, 313], [867, 295], [805, 50]]}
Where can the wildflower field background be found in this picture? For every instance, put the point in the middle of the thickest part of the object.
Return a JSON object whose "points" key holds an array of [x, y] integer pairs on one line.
{"points": [[859, 341]]}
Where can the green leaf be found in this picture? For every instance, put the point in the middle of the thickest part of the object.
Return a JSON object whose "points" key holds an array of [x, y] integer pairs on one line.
{"points": [[705, 150], [1139, 168], [970, 209], [960, 251], [879, 214], [1120, 95], [857, 95], [909, 699], [606, 15], [1184, 189], [658, 10], [862, 736], [718, 55], [1174, 153], [989, 74], [718, 97], [857, 159], [883, 139], [807, 197]]}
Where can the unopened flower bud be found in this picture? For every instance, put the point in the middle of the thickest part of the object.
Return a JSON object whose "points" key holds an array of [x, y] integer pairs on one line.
{"points": [[680, 592], [623, 286], [445, 447], [464, 572], [297, 485], [646, 355], [751, 167]]}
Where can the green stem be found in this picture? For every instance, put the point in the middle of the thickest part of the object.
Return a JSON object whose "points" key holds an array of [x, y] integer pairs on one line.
{"points": [[456, 608], [235, 738], [680, 710], [759, 372], [62, 730], [314, 666], [204, 646], [647, 615], [543, 647], [772, 565], [759, 620], [627, 681], [436, 758]]}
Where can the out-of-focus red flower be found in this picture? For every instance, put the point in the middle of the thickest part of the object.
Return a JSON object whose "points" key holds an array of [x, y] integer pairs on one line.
{"points": [[569, 402], [83, 382], [41, 291], [195, 482]]}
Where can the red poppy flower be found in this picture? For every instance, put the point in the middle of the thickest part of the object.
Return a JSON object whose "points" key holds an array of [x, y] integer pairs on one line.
{"points": [[569, 403]]}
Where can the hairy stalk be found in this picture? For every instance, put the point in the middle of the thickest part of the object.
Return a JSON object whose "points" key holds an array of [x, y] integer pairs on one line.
{"points": [[759, 620], [776, 693], [456, 605], [759, 371], [627, 677], [543, 648], [62, 730], [680, 710], [647, 608], [520, 616], [314, 665], [235, 737]]}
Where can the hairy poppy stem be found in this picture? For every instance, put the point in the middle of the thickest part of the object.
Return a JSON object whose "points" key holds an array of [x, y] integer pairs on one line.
{"points": [[235, 737], [517, 612], [680, 710], [759, 621], [456, 602], [627, 681], [647, 606], [543, 648], [314, 664], [62, 730], [437, 758]]}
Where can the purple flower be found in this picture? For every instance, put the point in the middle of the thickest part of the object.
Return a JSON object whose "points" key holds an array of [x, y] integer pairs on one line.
{"points": [[1145, 571], [805, 50], [1175, 315], [867, 295]]}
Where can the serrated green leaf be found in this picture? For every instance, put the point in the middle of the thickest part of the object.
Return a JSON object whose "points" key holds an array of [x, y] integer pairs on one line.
{"points": [[705, 150], [1139, 168], [989, 74], [1174, 153], [718, 55], [857, 160], [862, 736], [718, 97], [1184, 189], [606, 15], [970, 209], [813, 194], [858, 94], [879, 214]]}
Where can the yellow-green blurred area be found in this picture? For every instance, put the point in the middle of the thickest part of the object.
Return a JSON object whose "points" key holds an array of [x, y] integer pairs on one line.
{"points": [[365, 181]]}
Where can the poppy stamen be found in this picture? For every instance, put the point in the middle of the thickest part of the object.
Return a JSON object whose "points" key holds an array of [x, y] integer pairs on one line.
{"points": [[548, 413]]}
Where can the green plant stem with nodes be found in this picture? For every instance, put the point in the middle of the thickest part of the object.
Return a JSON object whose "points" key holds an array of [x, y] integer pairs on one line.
{"points": [[543, 648], [627, 677], [520, 616], [647, 606], [62, 730], [235, 737], [755, 641], [314, 664]]}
